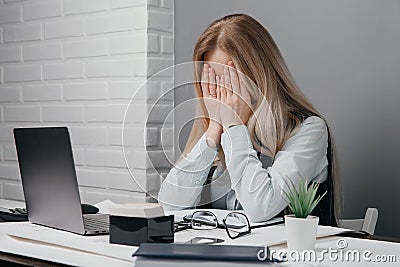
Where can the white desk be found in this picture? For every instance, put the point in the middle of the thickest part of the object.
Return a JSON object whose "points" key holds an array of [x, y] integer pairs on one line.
{"points": [[11, 243], [96, 251]]}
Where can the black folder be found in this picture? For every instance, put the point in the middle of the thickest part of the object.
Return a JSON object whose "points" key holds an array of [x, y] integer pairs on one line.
{"points": [[202, 252]]}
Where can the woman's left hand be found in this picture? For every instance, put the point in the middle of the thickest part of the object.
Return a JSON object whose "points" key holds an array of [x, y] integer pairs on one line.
{"points": [[235, 98]]}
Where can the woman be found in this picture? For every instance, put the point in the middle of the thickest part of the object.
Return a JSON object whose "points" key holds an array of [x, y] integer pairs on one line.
{"points": [[251, 134]]}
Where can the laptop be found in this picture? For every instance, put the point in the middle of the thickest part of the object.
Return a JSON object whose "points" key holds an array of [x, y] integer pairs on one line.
{"points": [[49, 182]]}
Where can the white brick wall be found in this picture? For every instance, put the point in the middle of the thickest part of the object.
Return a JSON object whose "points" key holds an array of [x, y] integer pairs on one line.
{"points": [[21, 73], [77, 63], [33, 10], [22, 32], [64, 70], [42, 92], [10, 14], [42, 51], [68, 27]]}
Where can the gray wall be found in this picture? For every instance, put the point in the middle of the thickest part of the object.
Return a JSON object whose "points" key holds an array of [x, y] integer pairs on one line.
{"points": [[344, 55]]}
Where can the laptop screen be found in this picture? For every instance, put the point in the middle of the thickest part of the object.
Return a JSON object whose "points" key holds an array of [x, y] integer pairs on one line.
{"points": [[48, 177]]}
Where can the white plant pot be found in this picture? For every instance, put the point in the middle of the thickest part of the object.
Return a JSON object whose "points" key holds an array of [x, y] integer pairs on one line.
{"points": [[301, 233]]}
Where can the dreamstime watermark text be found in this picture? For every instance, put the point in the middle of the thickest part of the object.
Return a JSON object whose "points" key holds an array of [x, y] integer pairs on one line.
{"points": [[339, 254]]}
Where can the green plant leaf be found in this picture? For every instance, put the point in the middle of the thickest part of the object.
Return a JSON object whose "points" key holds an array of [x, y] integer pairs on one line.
{"points": [[302, 199], [311, 192]]}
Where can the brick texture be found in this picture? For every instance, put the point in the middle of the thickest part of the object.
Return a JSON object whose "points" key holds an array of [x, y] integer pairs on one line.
{"points": [[78, 63]]}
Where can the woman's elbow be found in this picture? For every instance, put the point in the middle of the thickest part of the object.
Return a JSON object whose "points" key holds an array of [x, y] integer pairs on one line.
{"points": [[261, 212], [166, 202], [256, 215]]}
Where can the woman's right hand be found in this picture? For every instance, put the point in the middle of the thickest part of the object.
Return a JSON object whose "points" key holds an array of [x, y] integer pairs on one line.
{"points": [[209, 86]]}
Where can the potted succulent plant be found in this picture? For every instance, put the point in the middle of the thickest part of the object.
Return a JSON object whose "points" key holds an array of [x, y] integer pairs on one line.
{"points": [[301, 227]]}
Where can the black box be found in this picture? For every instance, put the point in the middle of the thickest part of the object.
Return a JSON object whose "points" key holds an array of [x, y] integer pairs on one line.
{"points": [[134, 231]]}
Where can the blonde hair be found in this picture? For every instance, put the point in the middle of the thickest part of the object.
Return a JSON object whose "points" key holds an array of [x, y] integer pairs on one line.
{"points": [[256, 55]]}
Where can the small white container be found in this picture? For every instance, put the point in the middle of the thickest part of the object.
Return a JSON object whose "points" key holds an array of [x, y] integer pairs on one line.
{"points": [[301, 233]]}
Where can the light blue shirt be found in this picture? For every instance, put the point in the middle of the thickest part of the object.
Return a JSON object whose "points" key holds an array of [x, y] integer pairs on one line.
{"points": [[245, 184]]}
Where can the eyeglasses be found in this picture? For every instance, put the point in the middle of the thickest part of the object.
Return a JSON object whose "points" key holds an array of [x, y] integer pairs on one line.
{"points": [[235, 223]]}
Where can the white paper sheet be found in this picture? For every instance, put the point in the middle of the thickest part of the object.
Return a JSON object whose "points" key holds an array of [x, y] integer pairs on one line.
{"points": [[91, 244], [105, 205], [33, 249]]}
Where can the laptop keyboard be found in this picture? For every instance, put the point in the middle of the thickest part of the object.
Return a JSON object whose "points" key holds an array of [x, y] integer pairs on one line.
{"points": [[96, 222]]}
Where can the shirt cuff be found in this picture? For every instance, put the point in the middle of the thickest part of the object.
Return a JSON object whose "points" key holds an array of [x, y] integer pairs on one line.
{"points": [[198, 162], [201, 151], [237, 136], [202, 156]]}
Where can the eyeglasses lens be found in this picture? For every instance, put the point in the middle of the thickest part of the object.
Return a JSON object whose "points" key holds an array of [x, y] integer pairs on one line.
{"points": [[236, 223], [204, 220]]}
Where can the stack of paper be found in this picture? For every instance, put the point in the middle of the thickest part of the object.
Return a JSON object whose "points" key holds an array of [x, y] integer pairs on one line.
{"points": [[149, 210]]}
